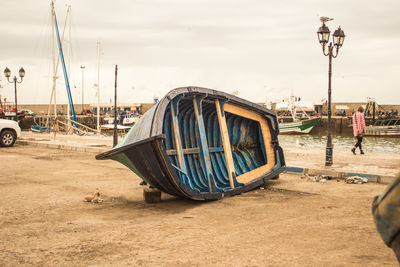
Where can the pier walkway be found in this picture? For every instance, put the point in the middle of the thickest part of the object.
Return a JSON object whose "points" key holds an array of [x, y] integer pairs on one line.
{"points": [[377, 167]]}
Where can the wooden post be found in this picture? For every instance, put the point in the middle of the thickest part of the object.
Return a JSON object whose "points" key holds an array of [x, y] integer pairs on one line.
{"points": [[98, 87], [151, 195], [115, 137], [373, 113]]}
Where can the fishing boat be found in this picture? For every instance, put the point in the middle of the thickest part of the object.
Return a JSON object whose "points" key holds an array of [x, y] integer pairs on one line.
{"points": [[298, 127], [384, 127], [129, 118], [301, 122], [124, 123], [202, 144]]}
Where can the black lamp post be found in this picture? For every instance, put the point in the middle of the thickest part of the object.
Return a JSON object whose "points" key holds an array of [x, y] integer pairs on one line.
{"points": [[333, 51], [7, 73], [115, 138]]}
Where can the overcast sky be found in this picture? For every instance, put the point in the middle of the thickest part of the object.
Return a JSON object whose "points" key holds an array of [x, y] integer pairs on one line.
{"points": [[264, 49]]}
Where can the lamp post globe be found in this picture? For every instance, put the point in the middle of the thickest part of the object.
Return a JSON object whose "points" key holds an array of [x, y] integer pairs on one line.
{"points": [[323, 34], [338, 37], [7, 72], [21, 72]]}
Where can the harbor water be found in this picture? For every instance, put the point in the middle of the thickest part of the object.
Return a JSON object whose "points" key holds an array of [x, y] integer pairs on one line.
{"points": [[370, 144]]}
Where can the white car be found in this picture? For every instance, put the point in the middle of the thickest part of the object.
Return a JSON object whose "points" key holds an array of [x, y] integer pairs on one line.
{"points": [[9, 132]]}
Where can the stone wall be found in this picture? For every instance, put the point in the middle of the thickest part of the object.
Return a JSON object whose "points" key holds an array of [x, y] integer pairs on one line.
{"points": [[61, 108], [336, 107], [340, 106], [340, 126]]}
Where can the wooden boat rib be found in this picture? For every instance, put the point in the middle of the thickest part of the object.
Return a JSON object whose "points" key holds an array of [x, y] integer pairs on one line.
{"points": [[202, 144]]}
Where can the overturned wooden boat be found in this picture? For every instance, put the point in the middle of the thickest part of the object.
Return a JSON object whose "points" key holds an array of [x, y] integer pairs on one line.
{"points": [[202, 144]]}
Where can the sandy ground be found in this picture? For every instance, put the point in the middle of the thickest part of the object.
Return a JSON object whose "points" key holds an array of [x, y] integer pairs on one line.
{"points": [[43, 220]]}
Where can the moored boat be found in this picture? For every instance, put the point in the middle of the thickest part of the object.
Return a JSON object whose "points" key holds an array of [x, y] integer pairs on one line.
{"points": [[301, 121], [298, 127], [202, 144]]}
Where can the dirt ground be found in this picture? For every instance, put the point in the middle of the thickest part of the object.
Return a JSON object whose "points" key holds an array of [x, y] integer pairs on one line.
{"points": [[43, 220]]}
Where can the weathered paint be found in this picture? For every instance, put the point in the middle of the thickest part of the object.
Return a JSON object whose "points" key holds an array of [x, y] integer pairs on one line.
{"points": [[225, 140]]}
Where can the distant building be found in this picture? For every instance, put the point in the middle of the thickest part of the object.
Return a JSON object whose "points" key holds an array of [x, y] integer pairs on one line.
{"points": [[107, 108]]}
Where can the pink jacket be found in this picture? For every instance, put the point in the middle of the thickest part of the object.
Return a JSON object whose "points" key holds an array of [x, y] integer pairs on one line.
{"points": [[358, 123]]}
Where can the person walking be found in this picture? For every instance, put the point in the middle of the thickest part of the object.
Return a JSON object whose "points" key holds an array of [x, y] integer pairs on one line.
{"points": [[358, 129]]}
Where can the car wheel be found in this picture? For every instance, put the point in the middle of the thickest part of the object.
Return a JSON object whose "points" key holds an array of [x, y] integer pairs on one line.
{"points": [[7, 138]]}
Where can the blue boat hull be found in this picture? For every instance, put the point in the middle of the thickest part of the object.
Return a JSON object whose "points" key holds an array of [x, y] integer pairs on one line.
{"points": [[202, 144]]}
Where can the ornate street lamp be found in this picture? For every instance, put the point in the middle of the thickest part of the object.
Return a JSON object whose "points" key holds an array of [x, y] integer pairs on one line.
{"points": [[7, 73], [333, 51]]}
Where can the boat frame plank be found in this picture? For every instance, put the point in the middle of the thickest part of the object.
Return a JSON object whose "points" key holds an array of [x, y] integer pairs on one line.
{"points": [[204, 151], [178, 142], [225, 141]]}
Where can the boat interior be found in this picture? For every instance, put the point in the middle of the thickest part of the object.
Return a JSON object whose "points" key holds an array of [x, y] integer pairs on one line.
{"points": [[216, 146]]}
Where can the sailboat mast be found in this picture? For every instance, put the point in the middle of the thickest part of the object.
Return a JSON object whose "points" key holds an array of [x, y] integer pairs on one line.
{"points": [[53, 47], [69, 61], [64, 70], [55, 65], [53, 59], [98, 87]]}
